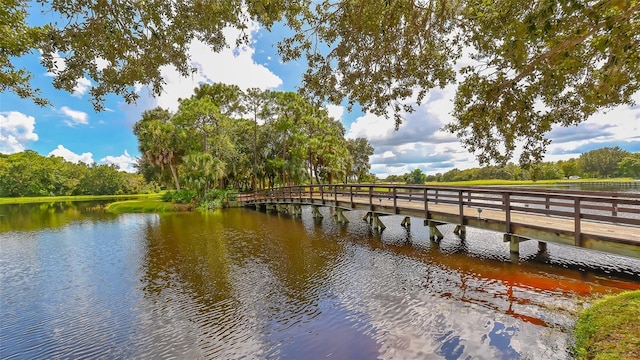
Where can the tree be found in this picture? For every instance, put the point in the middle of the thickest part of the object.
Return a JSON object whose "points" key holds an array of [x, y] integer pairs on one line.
{"points": [[359, 150], [199, 116], [201, 171], [538, 64], [130, 41], [228, 98], [630, 165], [569, 167], [160, 141], [17, 39], [101, 180], [415, 177], [28, 173], [602, 162], [253, 102]]}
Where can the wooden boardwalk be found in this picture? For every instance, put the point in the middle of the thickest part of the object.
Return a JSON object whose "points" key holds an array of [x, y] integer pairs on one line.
{"points": [[601, 221]]}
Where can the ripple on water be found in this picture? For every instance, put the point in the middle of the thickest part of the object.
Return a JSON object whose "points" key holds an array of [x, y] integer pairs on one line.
{"points": [[244, 284]]}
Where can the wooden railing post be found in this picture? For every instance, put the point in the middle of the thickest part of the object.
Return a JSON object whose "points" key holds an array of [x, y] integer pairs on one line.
{"points": [[370, 197], [506, 200], [351, 196], [461, 207], [546, 204], [576, 220], [395, 200], [321, 193], [335, 194], [426, 203]]}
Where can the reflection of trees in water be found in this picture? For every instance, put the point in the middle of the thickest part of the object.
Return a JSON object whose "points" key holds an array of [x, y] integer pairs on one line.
{"points": [[248, 276], [34, 216]]}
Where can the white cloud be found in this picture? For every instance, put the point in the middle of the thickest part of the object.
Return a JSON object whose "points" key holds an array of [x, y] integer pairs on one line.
{"points": [[619, 126], [124, 162], [419, 142], [75, 117], [69, 155], [82, 87], [388, 154], [16, 129], [233, 66], [335, 111]]}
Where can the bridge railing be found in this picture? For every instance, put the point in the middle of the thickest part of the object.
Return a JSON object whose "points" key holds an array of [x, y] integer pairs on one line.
{"points": [[621, 208]]}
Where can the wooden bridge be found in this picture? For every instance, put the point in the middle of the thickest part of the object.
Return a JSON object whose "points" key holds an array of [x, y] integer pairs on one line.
{"points": [[603, 221]]}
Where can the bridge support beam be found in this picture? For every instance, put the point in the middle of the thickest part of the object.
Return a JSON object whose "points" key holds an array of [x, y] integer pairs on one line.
{"points": [[542, 247], [377, 223], [514, 242], [406, 222], [315, 212], [295, 210], [461, 231], [368, 217], [340, 218], [434, 233]]}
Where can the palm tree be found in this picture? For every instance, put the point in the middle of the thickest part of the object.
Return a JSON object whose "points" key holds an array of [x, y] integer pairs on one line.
{"points": [[159, 144], [201, 170]]}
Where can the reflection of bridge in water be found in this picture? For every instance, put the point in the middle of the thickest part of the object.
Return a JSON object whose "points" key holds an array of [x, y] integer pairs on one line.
{"points": [[604, 221]]}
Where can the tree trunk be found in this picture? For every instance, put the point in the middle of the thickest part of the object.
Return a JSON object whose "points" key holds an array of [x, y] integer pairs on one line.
{"points": [[175, 176]]}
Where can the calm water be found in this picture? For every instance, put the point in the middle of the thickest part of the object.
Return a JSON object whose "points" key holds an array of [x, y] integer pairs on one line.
{"points": [[239, 283]]}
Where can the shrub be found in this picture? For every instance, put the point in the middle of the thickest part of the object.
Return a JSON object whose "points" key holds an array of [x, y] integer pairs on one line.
{"points": [[181, 197]]}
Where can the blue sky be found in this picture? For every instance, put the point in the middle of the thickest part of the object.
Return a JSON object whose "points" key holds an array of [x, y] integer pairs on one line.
{"points": [[72, 129]]}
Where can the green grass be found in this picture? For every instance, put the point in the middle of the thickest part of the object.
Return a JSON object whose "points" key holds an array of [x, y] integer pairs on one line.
{"points": [[145, 206], [40, 199], [610, 329]]}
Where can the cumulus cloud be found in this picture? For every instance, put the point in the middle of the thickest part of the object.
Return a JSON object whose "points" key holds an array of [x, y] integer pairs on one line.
{"points": [[584, 131], [74, 117], [124, 162], [69, 155], [233, 66], [631, 146], [82, 87], [16, 129], [422, 126], [419, 142], [335, 111], [619, 126]]}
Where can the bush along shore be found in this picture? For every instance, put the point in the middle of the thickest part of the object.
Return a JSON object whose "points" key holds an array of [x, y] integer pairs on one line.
{"points": [[173, 201]]}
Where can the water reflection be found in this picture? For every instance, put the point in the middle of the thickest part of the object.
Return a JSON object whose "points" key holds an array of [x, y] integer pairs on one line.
{"points": [[35, 216], [245, 284]]}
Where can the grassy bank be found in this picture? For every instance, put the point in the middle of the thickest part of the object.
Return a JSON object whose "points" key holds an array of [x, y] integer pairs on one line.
{"points": [[155, 205], [40, 199], [610, 329]]}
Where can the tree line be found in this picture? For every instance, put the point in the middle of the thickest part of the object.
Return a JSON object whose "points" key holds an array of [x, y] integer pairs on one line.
{"points": [[223, 137], [608, 162], [28, 173]]}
